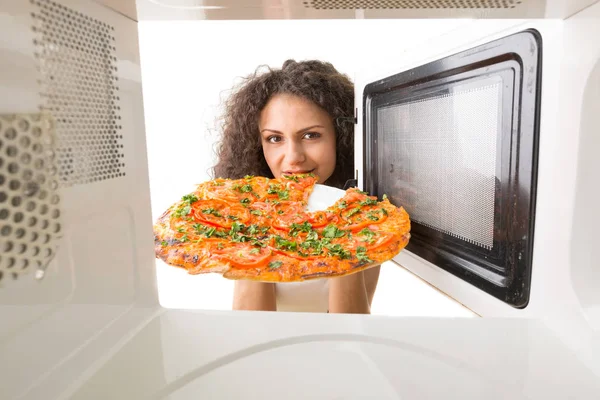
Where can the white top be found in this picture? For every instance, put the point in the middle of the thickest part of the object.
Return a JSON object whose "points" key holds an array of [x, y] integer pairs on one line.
{"points": [[308, 296]]}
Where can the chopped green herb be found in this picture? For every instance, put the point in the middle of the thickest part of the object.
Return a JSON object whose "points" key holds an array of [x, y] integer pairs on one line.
{"points": [[233, 217], [368, 202], [312, 236], [208, 231], [164, 243], [237, 227], [384, 211], [326, 241], [303, 227], [256, 212], [331, 231], [237, 237], [254, 251], [189, 198], [276, 189], [220, 246], [368, 234], [185, 210], [275, 264], [248, 177], [280, 212], [291, 177], [282, 243], [315, 245], [211, 211], [283, 194], [352, 212], [342, 204], [372, 216], [361, 255], [252, 229], [245, 200], [273, 189], [247, 188], [384, 196], [338, 250]]}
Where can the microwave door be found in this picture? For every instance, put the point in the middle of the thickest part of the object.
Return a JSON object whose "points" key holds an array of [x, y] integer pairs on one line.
{"points": [[454, 142]]}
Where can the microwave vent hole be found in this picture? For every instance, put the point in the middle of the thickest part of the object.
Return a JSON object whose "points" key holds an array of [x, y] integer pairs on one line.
{"points": [[410, 4], [77, 61], [30, 216]]}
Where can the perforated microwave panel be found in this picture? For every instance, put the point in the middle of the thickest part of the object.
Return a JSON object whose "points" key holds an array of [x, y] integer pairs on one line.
{"points": [[445, 149], [410, 4], [76, 57], [29, 201]]}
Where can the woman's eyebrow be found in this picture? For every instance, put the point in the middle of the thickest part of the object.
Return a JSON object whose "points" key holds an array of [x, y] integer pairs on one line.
{"points": [[300, 131]]}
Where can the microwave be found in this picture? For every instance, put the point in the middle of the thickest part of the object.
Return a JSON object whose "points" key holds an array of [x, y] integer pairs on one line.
{"points": [[501, 234], [485, 133]]}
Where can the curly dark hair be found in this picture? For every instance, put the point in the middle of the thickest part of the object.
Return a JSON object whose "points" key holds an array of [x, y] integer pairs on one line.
{"points": [[240, 151]]}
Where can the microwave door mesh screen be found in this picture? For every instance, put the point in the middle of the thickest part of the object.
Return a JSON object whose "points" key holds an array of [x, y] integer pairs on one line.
{"points": [[438, 160]]}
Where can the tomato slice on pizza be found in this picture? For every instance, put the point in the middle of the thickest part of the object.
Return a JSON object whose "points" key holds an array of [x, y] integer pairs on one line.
{"points": [[244, 255], [220, 213], [371, 239]]}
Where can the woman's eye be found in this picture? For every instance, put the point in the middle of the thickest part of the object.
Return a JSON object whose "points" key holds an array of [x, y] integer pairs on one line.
{"points": [[274, 139], [312, 135]]}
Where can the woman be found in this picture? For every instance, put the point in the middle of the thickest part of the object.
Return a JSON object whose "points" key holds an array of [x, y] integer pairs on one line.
{"points": [[296, 119]]}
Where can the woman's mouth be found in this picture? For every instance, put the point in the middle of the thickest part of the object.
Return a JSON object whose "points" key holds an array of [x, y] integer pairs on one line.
{"points": [[299, 171]]}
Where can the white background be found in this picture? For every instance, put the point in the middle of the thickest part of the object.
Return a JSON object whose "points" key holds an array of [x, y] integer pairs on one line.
{"points": [[188, 69]]}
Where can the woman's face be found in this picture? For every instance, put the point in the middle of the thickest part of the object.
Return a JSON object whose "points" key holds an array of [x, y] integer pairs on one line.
{"points": [[297, 137]]}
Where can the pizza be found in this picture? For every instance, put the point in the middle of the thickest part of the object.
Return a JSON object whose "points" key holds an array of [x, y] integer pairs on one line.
{"points": [[259, 229]]}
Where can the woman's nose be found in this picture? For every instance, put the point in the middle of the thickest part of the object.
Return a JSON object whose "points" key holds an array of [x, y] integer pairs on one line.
{"points": [[295, 153]]}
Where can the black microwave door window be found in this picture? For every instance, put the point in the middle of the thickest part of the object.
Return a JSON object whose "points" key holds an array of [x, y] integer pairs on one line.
{"points": [[455, 143]]}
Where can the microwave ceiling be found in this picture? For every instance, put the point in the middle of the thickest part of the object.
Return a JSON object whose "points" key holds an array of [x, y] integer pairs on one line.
{"points": [[172, 10]]}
